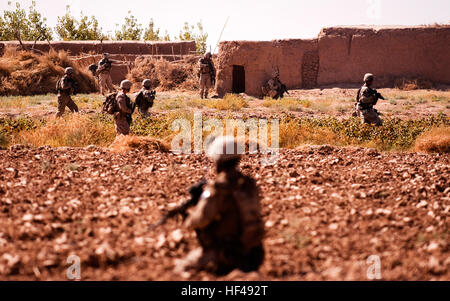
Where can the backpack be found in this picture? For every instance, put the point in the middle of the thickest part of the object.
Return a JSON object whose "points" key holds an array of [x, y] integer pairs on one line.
{"points": [[110, 104]]}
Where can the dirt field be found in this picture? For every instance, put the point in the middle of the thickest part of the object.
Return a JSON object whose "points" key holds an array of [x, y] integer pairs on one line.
{"points": [[326, 210]]}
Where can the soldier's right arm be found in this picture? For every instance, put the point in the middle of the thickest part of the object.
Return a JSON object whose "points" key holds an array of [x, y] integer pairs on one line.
{"points": [[66, 83], [366, 96], [204, 212]]}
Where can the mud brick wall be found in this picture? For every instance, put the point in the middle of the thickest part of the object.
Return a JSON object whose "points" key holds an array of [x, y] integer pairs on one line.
{"points": [[346, 54], [340, 55], [260, 59], [76, 48]]}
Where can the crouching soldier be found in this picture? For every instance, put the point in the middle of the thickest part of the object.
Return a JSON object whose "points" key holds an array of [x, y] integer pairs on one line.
{"points": [[145, 98], [124, 109], [366, 98], [274, 88], [65, 87], [227, 218]]}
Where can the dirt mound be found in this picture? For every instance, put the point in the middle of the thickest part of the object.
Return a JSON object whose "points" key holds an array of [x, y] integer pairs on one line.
{"points": [[29, 73], [126, 143], [434, 141], [165, 75]]}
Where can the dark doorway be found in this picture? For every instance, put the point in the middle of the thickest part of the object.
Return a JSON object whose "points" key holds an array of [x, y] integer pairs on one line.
{"points": [[238, 79]]}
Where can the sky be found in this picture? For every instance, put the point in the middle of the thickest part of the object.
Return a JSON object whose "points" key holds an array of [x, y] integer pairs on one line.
{"points": [[250, 19]]}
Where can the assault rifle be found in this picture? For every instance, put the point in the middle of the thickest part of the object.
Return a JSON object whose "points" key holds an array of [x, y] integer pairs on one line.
{"points": [[284, 89], [378, 95], [195, 191]]}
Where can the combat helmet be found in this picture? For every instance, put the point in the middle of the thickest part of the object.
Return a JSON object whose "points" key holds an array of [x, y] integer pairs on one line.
{"points": [[146, 83], [224, 148], [68, 70], [126, 84], [368, 77]]}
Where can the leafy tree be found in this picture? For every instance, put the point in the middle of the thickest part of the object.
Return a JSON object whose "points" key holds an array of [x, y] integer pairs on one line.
{"points": [[131, 29], [69, 28], [189, 33], [152, 34], [166, 36], [17, 24]]}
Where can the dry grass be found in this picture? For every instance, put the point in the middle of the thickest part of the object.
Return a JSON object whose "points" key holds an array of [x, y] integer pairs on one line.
{"points": [[229, 102], [436, 140], [293, 135], [409, 84], [126, 143], [28, 73], [165, 75], [74, 130]]}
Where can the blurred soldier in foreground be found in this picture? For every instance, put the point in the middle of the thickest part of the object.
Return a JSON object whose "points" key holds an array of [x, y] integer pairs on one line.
{"points": [[65, 87], [124, 109], [366, 98], [227, 218], [207, 73], [145, 98], [104, 74], [274, 88]]}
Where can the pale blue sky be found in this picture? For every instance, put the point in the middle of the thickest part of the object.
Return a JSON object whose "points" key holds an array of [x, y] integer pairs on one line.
{"points": [[252, 19]]}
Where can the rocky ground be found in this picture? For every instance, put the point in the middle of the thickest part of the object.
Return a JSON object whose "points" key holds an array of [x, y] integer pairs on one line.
{"points": [[326, 210]]}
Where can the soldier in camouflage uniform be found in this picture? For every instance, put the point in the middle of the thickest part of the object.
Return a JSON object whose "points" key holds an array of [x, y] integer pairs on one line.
{"points": [[366, 98], [104, 74], [227, 218], [207, 73], [125, 108], [274, 88], [145, 98], [65, 87]]}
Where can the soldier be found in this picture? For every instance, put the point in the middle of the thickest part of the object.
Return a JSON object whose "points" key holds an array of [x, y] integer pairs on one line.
{"points": [[104, 74], [207, 73], [125, 109], [227, 218], [145, 98], [366, 98], [274, 88], [65, 87]]}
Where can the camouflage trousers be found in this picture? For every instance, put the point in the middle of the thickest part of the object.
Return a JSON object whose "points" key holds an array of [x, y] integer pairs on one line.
{"points": [[121, 124], [205, 84], [105, 83], [64, 101], [369, 116]]}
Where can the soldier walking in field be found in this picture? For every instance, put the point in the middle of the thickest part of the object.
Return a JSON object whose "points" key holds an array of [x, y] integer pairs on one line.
{"points": [[227, 218], [65, 87], [366, 98], [104, 74], [207, 74], [145, 98], [274, 88], [124, 109]]}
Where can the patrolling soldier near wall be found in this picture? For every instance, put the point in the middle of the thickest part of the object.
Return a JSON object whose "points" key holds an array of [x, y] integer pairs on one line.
{"points": [[274, 88], [366, 98], [145, 98], [104, 74], [122, 118], [227, 218], [66, 86], [207, 74]]}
